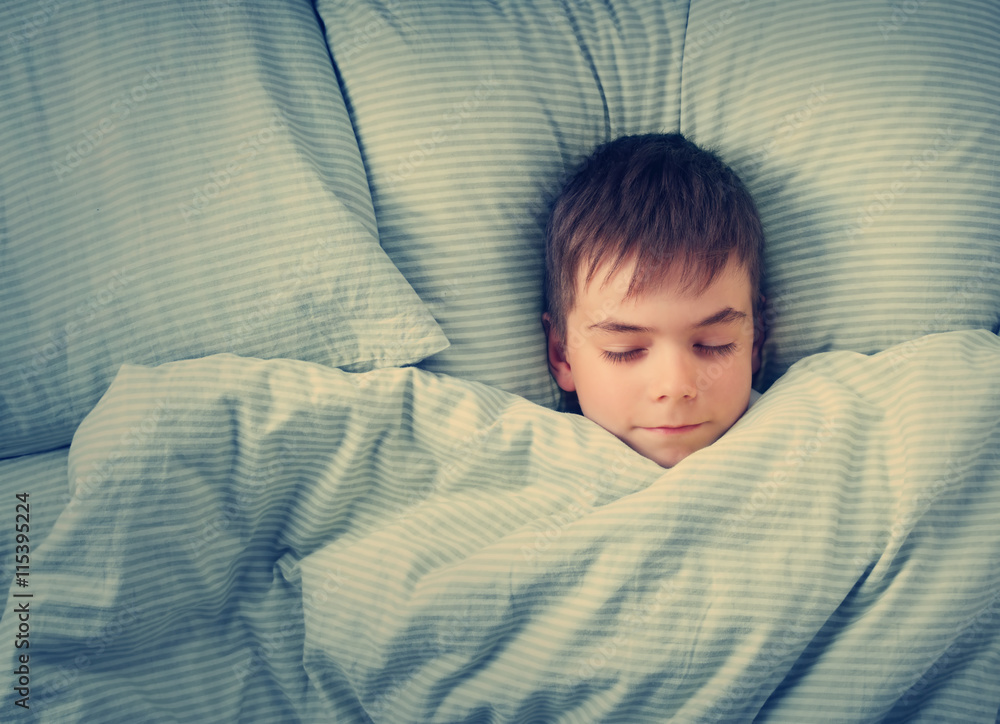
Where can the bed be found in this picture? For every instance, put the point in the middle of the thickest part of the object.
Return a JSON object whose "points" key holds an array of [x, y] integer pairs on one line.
{"points": [[278, 440]]}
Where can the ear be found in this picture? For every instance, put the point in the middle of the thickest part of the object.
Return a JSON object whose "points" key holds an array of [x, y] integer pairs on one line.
{"points": [[558, 362], [759, 335]]}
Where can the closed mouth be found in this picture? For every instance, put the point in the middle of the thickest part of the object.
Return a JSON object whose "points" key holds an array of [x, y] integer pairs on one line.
{"points": [[673, 429]]}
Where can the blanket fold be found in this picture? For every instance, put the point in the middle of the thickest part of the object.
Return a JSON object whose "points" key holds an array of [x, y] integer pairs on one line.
{"points": [[253, 540]]}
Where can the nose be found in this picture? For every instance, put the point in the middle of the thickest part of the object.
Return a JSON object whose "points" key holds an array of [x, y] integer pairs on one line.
{"points": [[674, 376]]}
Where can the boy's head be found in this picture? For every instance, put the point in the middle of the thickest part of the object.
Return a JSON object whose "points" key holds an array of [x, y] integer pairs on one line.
{"points": [[653, 271]]}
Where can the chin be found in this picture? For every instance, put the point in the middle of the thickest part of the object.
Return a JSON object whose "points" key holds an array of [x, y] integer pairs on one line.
{"points": [[664, 458], [668, 461]]}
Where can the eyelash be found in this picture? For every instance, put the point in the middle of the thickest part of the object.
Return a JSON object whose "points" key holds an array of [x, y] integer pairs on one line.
{"points": [[617, 357], [719, 350], [712, 351]]}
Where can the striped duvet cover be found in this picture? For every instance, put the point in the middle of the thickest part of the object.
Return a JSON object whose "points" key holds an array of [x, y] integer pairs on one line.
{"points": [[267, 541]]}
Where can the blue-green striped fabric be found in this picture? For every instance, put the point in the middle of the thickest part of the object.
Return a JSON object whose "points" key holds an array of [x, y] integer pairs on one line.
{"points": [[869, 133], [179, 179], [43, 477], [468, 116], [260, 541]]}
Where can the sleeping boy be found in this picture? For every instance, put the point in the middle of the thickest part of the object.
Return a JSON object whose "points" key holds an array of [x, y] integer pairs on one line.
{"points": [[652, 289]]}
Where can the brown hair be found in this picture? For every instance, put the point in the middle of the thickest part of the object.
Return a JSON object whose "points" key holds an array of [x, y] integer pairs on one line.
{"points": [[658, 199]]}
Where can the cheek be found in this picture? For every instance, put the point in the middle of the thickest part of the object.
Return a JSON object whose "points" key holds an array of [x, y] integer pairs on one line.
{"points": [[600, 390], [591, 382], [727, 381], [735, 390]]}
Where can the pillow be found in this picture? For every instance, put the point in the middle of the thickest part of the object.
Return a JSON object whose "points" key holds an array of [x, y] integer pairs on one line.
{"points": [[869, 135], [180, 180], [468, 116]]}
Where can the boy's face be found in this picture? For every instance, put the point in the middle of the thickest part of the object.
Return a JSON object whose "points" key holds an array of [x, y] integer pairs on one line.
{"points": [[667, 371]]}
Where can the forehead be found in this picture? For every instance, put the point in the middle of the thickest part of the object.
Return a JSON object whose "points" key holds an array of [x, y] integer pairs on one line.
{"points": [[628, 284]]}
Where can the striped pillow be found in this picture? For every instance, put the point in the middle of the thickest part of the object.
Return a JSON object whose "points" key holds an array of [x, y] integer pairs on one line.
{"points": [[178, 181], [867, 132], [468, 116], [869, 135]]}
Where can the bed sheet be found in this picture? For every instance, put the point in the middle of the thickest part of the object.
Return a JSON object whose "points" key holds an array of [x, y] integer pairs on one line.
{"points": [[43, 477], [254, 540]]}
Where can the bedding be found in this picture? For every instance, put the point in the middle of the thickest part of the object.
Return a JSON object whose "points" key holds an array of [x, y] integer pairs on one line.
{"points": [[291, 541], [145, 226], [867, 133], [868, 136], [522, 89], [274, 269]]}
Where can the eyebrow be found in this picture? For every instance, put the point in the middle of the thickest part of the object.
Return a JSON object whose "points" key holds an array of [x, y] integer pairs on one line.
{"points": [[610, 325], [723, 316], [727, 315]]}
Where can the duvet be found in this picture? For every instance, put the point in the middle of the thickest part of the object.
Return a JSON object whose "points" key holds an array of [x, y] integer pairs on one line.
{"points": [[250, 540]]}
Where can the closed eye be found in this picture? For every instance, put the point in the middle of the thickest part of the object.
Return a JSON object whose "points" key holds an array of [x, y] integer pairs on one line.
{"points": [[617, 357], [718, 350]]}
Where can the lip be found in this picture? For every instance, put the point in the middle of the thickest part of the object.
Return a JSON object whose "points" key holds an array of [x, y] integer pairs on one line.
{"points": [[673, 430]]}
